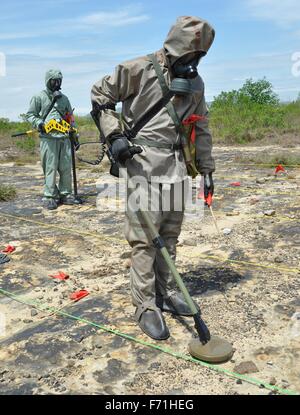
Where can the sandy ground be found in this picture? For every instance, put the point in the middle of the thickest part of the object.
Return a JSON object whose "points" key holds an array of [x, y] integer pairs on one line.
{"points": [[247, 284]]}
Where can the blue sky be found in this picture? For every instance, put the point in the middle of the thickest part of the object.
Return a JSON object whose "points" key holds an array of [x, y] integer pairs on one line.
{"points": [[87, 38]]}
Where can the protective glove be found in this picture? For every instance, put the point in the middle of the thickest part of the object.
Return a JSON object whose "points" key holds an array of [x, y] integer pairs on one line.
{"points": [[122, 150], [208, 185], [41, 127]]}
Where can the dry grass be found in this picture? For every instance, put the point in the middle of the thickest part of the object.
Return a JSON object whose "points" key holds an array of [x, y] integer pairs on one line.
{"points": [[284, 158]]}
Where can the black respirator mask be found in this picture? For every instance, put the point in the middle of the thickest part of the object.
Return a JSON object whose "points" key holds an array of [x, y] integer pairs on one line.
{"points": [[185, 70], [55, 84]]}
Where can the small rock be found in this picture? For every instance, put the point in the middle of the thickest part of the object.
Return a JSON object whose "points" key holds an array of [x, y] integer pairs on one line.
{"points": [[246, 367], [190, 242], [33, 312], [127, 263], [41, 297], [278, 259], [97, 343], [61, 296], [272, 381], [235, 213], [261, 180], [239, 382], [27, 321], [285, 384], [37, 289], [270, 212], [97, 288], [227, 231], [253, 200]]}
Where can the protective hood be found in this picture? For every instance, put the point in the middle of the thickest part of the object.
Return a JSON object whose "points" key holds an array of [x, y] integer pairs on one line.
{"points": [[189, 34], [52, 74]]}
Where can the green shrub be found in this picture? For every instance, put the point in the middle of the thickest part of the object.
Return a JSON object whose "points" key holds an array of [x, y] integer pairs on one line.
{"points": [[260, 92], [251, 113], [7, 193], [27, 144]]}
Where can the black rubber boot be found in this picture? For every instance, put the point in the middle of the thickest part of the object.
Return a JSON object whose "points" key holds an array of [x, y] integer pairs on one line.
{"points": [[175, 304], [152, 322], [50, 204], [68, 200], [4, 258]]}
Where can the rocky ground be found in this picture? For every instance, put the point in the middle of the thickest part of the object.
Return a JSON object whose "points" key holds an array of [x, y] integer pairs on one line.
{"points": [[246, 281]]}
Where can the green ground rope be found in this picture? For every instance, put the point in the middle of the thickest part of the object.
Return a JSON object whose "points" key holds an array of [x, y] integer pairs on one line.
{"points": [[170, 352]]}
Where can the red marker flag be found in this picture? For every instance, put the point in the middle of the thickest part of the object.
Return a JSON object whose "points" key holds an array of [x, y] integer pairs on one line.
{"points": [[191, 121], [78, 295], [279, 168], [9, 249], [60, 276]]}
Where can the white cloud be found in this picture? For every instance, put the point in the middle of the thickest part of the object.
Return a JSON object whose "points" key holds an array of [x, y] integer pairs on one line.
{"points": [[281, 12], [113, 19], [97, 21]]}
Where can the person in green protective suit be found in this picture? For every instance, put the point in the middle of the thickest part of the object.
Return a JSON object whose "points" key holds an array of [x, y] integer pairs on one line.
{"points": [[55, 147]]}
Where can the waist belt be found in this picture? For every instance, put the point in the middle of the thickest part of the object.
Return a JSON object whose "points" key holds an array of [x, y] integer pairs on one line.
{"points": [[150, 143]]}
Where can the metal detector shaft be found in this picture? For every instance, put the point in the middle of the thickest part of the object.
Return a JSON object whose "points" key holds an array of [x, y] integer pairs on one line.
{"points": [[75, 189], [74, 175], [160, 244], [202, 330]]}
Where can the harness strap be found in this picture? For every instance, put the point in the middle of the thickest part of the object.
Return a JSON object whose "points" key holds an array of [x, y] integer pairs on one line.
{"points": [[165, 89], [147, 305], [149, 143]]}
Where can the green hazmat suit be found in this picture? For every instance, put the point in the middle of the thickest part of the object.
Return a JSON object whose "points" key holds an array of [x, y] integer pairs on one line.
{"points": [[55, 147]]}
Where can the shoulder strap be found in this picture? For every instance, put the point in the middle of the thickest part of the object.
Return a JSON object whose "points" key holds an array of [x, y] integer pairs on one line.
{"points": [[165, 89], [159, 73], [191, 168]]}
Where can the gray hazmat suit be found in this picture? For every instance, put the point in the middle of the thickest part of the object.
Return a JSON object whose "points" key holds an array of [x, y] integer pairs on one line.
{"points": [[135, 84]]}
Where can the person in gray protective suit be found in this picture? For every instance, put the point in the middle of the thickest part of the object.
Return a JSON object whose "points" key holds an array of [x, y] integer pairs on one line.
{"points": [[138, 84]]}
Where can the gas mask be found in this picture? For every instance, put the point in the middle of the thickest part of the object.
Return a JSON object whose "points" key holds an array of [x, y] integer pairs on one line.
{"points": [[185, 71], [55, 84]]}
